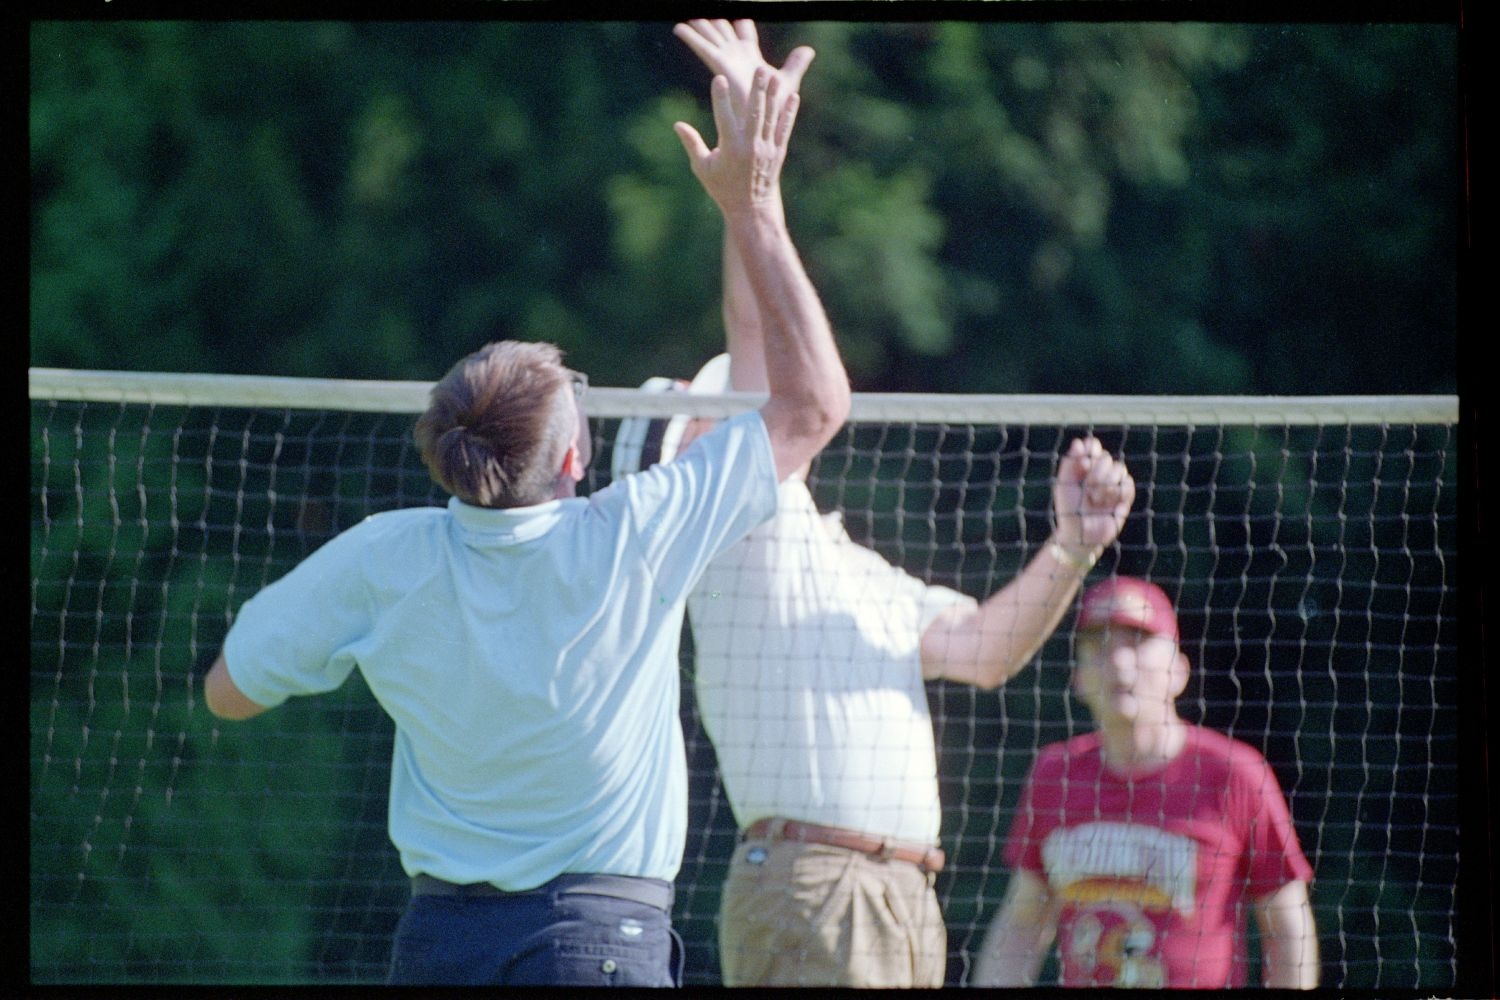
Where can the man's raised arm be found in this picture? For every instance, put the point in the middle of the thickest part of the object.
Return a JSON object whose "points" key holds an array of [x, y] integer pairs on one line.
{"points": [[809, 390], [731, 49], [986, 646]]}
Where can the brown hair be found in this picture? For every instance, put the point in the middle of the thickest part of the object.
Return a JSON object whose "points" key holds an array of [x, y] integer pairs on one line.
{"points": [[498, 425]]}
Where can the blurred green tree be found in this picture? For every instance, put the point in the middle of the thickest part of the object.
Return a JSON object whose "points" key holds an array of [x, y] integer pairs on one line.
{"points": [[1135, 207]]}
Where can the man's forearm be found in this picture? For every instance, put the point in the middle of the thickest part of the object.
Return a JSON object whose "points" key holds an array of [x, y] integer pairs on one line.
{"points": [[809, 391], [800, 358], [1289, 939], [808, 387], [1020, 618], [743, 337], [1018, 939], [1292, 963], [1010, 960], [995, 641], [224, 698]]}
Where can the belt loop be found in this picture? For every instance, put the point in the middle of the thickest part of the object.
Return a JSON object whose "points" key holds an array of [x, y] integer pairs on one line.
{"points": [[776, 828], [887, 850]]}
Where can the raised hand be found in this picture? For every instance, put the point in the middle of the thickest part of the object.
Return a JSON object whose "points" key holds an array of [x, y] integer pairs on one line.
{"points": [[744, 170], [732, 50], [1091, 497]]}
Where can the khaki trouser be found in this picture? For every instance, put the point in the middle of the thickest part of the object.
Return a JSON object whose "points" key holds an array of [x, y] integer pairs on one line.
{"points": [[796, 914]]}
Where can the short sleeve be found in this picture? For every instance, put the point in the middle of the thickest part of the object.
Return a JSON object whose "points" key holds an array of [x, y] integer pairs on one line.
{"points": [[687, 511], [1023, 848], [936, 599], [1273, 855], [293, 636]]}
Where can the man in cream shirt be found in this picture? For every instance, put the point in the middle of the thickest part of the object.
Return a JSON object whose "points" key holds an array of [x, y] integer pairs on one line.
{"points": [[812, 654]]}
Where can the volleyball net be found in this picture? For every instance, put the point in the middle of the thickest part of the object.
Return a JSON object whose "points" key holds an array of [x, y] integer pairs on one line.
{"points": [[1309, 543]]}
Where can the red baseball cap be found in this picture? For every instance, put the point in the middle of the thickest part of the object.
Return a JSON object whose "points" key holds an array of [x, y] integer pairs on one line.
{"points": [[1130, 602]]}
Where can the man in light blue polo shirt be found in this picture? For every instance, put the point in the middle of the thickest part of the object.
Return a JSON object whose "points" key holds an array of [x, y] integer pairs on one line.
{"points": [[524, 640]]}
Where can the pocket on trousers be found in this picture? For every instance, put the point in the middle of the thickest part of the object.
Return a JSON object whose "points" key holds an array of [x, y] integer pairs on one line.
{"points": [[572, 965], [599, 941]]}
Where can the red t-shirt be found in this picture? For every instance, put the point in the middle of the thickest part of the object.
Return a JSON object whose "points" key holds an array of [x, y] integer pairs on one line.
{"points": [[1154, 870]]}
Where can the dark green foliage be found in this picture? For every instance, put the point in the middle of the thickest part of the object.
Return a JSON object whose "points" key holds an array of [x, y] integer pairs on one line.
{"points": [[1141, 207]]}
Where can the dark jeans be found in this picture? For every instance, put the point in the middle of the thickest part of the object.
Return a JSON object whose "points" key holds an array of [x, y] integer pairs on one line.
{"points": [[536, 938]]}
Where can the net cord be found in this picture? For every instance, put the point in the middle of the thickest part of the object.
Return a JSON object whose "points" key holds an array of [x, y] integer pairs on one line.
{"points": [[267, 392]]}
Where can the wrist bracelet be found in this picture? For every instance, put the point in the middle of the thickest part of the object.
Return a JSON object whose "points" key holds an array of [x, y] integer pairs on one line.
{"points": [[1067, 558]]}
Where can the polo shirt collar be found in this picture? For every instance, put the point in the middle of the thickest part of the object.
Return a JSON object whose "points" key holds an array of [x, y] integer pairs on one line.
{"points": [[509, 525]]}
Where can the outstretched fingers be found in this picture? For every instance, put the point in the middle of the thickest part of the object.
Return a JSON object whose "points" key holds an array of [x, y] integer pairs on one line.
{"points": [[719, 44], [773, 109], [786, 119], [716, 30], [692, 142], [724, 116], [796, 65], [762, 93], [700, 37], [733, 48]]}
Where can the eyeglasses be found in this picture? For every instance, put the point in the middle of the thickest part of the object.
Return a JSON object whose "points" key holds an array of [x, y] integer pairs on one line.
{"points": [[580, 384]]}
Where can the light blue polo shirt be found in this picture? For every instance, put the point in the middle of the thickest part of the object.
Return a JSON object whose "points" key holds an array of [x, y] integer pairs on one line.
{"points": [[529, 659]]}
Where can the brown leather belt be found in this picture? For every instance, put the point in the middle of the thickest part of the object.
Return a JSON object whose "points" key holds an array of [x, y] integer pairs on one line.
{"points": [[929, 859]]}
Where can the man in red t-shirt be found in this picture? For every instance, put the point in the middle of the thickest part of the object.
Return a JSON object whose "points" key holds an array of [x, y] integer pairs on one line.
{"points": [[1139, 846]]}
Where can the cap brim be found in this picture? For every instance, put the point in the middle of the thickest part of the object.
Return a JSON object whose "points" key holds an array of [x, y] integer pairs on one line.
{"points": [[1100, 624]]}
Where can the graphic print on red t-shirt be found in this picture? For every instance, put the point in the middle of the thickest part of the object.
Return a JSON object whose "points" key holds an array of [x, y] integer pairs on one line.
{"points": [[1120, 884]]}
